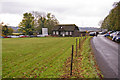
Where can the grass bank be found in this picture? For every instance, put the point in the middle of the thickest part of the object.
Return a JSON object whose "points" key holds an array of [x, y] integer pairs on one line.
{"points": [[84, 65]]}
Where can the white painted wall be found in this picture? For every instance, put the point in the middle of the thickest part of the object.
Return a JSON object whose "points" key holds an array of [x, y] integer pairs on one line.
{"points": [[45, 31]]}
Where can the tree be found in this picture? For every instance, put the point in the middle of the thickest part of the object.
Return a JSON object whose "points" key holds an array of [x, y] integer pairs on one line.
{"points": [[10, 31], [100, 22], [4, 30], [43, 20], [39, 20], [27, 24], [112, 21], [35, 21], [41, 23], [51, 22]]}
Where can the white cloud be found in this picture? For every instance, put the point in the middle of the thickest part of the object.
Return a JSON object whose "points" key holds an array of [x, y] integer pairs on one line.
{"points": [[11, 19], [80, 12]]}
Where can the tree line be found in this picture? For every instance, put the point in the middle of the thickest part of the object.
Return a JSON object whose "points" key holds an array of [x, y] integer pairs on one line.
{"points": [[32, 23], [112, 21]]}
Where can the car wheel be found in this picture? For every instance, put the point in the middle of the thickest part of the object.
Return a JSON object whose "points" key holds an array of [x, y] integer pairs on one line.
{"points": [[113, 39]]}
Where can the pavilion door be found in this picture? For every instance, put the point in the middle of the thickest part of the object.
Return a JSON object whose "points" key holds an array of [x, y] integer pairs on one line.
{"points": [[62, 33]]}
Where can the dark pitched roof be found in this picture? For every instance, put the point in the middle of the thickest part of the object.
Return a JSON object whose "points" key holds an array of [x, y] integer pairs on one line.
{"points": [[56, 28], [66, 27]]}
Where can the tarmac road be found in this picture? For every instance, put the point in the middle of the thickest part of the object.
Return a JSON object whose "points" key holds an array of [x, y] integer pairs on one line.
{"points": [[107, 54]]}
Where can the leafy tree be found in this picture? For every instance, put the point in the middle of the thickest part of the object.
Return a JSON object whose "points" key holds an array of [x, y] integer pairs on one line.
{"points": [[27, 24], [112, 21], [51, 22], [35, 21], [10, 31], [43, 20], [39, 20], [5, 30]]}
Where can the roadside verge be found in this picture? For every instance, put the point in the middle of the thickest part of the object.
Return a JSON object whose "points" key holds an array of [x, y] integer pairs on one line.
{"points": [[84, 65]]}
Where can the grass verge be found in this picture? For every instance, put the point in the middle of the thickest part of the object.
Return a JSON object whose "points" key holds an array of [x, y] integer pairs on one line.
{"points": [[109, 37], [84, 65]]}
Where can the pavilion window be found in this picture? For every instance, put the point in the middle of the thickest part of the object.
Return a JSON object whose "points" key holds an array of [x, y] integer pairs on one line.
{"points": [[67, 33], [53, 32], [57, 32], [70, 33]]}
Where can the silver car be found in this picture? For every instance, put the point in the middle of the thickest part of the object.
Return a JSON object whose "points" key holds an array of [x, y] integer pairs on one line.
{"points": [[116, 36], [113, 34]]}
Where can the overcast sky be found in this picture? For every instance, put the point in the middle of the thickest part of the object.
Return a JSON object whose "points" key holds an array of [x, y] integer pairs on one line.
{"points": [[83, 13]]}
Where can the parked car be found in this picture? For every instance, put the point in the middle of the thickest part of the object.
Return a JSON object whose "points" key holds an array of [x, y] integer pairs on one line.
{"points": [[92, 33], [7, 37], [1, 37], [103, 32], [112, 34], [40, 35], [107, 34], [22, 36], [33, 35], [14, 36], [116, 36], [100, 32]]}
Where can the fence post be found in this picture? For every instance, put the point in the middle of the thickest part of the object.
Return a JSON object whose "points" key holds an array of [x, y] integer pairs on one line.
{"points": [[76, 47], [71, 60], [79, 43], [82, 36]]}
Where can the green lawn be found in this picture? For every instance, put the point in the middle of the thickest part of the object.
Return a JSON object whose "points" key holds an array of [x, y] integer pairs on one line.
{"points": [[34, 57], [42, 57]]}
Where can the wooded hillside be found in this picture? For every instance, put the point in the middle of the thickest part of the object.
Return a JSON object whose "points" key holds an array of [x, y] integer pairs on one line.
{"points": [[112, 21]]}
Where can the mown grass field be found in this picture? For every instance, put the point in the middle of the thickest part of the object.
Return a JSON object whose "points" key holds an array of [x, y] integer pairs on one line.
{"points": [[42, 57]]}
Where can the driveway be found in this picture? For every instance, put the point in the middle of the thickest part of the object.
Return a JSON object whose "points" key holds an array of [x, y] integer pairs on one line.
{"points": [[107, 54]]}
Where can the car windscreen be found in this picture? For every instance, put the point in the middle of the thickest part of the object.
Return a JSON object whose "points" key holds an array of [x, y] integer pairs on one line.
{"points": [[118, 33]]}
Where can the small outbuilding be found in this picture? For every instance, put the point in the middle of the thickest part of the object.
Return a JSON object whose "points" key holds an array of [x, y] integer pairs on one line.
{"points": [[65, 30]]}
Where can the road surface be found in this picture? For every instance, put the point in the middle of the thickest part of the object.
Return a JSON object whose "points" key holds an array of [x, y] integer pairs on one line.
{"points": [[107, 54]]}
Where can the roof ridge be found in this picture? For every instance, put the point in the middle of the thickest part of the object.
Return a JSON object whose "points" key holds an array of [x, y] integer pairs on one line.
{"points": [[66, 25]]}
